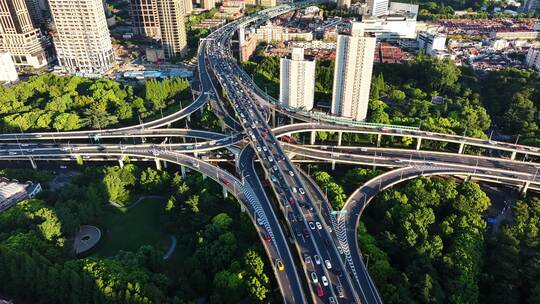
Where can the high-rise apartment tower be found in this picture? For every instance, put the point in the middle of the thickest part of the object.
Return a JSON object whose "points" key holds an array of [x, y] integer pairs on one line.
{"points": [[82, 39], [297, 81], [144, 18], [377, 7], [173, 30], [352, 74], [162, 20], [21, 36]]}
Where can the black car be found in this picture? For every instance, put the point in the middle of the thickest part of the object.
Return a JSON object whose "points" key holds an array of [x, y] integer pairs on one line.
{"points": [[291, 216]]}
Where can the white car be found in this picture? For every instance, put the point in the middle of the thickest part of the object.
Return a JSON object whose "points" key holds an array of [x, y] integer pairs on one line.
{"points": [[328, 265], [302, 190], [314, 278], [317, 259], [265, 149], [319, 226], [294, 189], [324, 281], [259, 149], [339, 250], [291, 173], [311, 225]]}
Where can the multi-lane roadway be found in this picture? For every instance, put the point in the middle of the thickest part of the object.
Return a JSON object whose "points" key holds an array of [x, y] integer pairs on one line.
{"points": [[315, 254]]}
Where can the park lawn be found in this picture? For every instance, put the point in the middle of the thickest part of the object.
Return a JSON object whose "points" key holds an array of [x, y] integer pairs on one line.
{"points": [[128, 229]]}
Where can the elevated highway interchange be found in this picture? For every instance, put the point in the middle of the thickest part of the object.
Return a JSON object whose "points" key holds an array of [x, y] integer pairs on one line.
{"points": [[300, 203]]}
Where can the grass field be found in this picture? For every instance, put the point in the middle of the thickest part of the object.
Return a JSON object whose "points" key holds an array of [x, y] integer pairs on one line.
{"points": [[128, 229]]}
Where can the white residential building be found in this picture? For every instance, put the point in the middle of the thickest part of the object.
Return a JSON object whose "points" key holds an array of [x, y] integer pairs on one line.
{"points": [[297, 81], [82, 39], [8, 73], [392, 27], [352, 74], [532, 60], [431, 42], [402, 8], [377, 7], [21, 36]]}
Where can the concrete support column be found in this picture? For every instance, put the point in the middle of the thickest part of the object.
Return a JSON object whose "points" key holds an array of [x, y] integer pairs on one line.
{"points": [[165, 164], [291, 155], [313, 137], [292, 120], [513, 156], [339, 137], [468, 178], [121, 162], [273, 113], [525, 188], [158, 164], [33, 163], [196, 154], [189, 118], [461, 148], [183, 171], [419, 143], [225, 192], [203, 176], [379, 137], [242, 208], [333, 165]]}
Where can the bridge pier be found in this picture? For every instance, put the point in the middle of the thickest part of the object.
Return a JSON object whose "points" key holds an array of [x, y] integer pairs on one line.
{"points": [[292, 120], [419, 143], [273, 114], [333, 165], [165, 164], [121, 162], [225, 192], [158, 164], [183, 171], [203, 176], [379, 137], [524, 188], [189, 118], [33, 163], [513, 156], [313, 137], [461, 148], [196, 154], [339, 137]]}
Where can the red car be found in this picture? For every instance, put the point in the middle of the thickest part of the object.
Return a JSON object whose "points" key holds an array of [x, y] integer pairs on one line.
{"points": [[306, 233], [291, 200], [266, 237], [320, 291]]}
